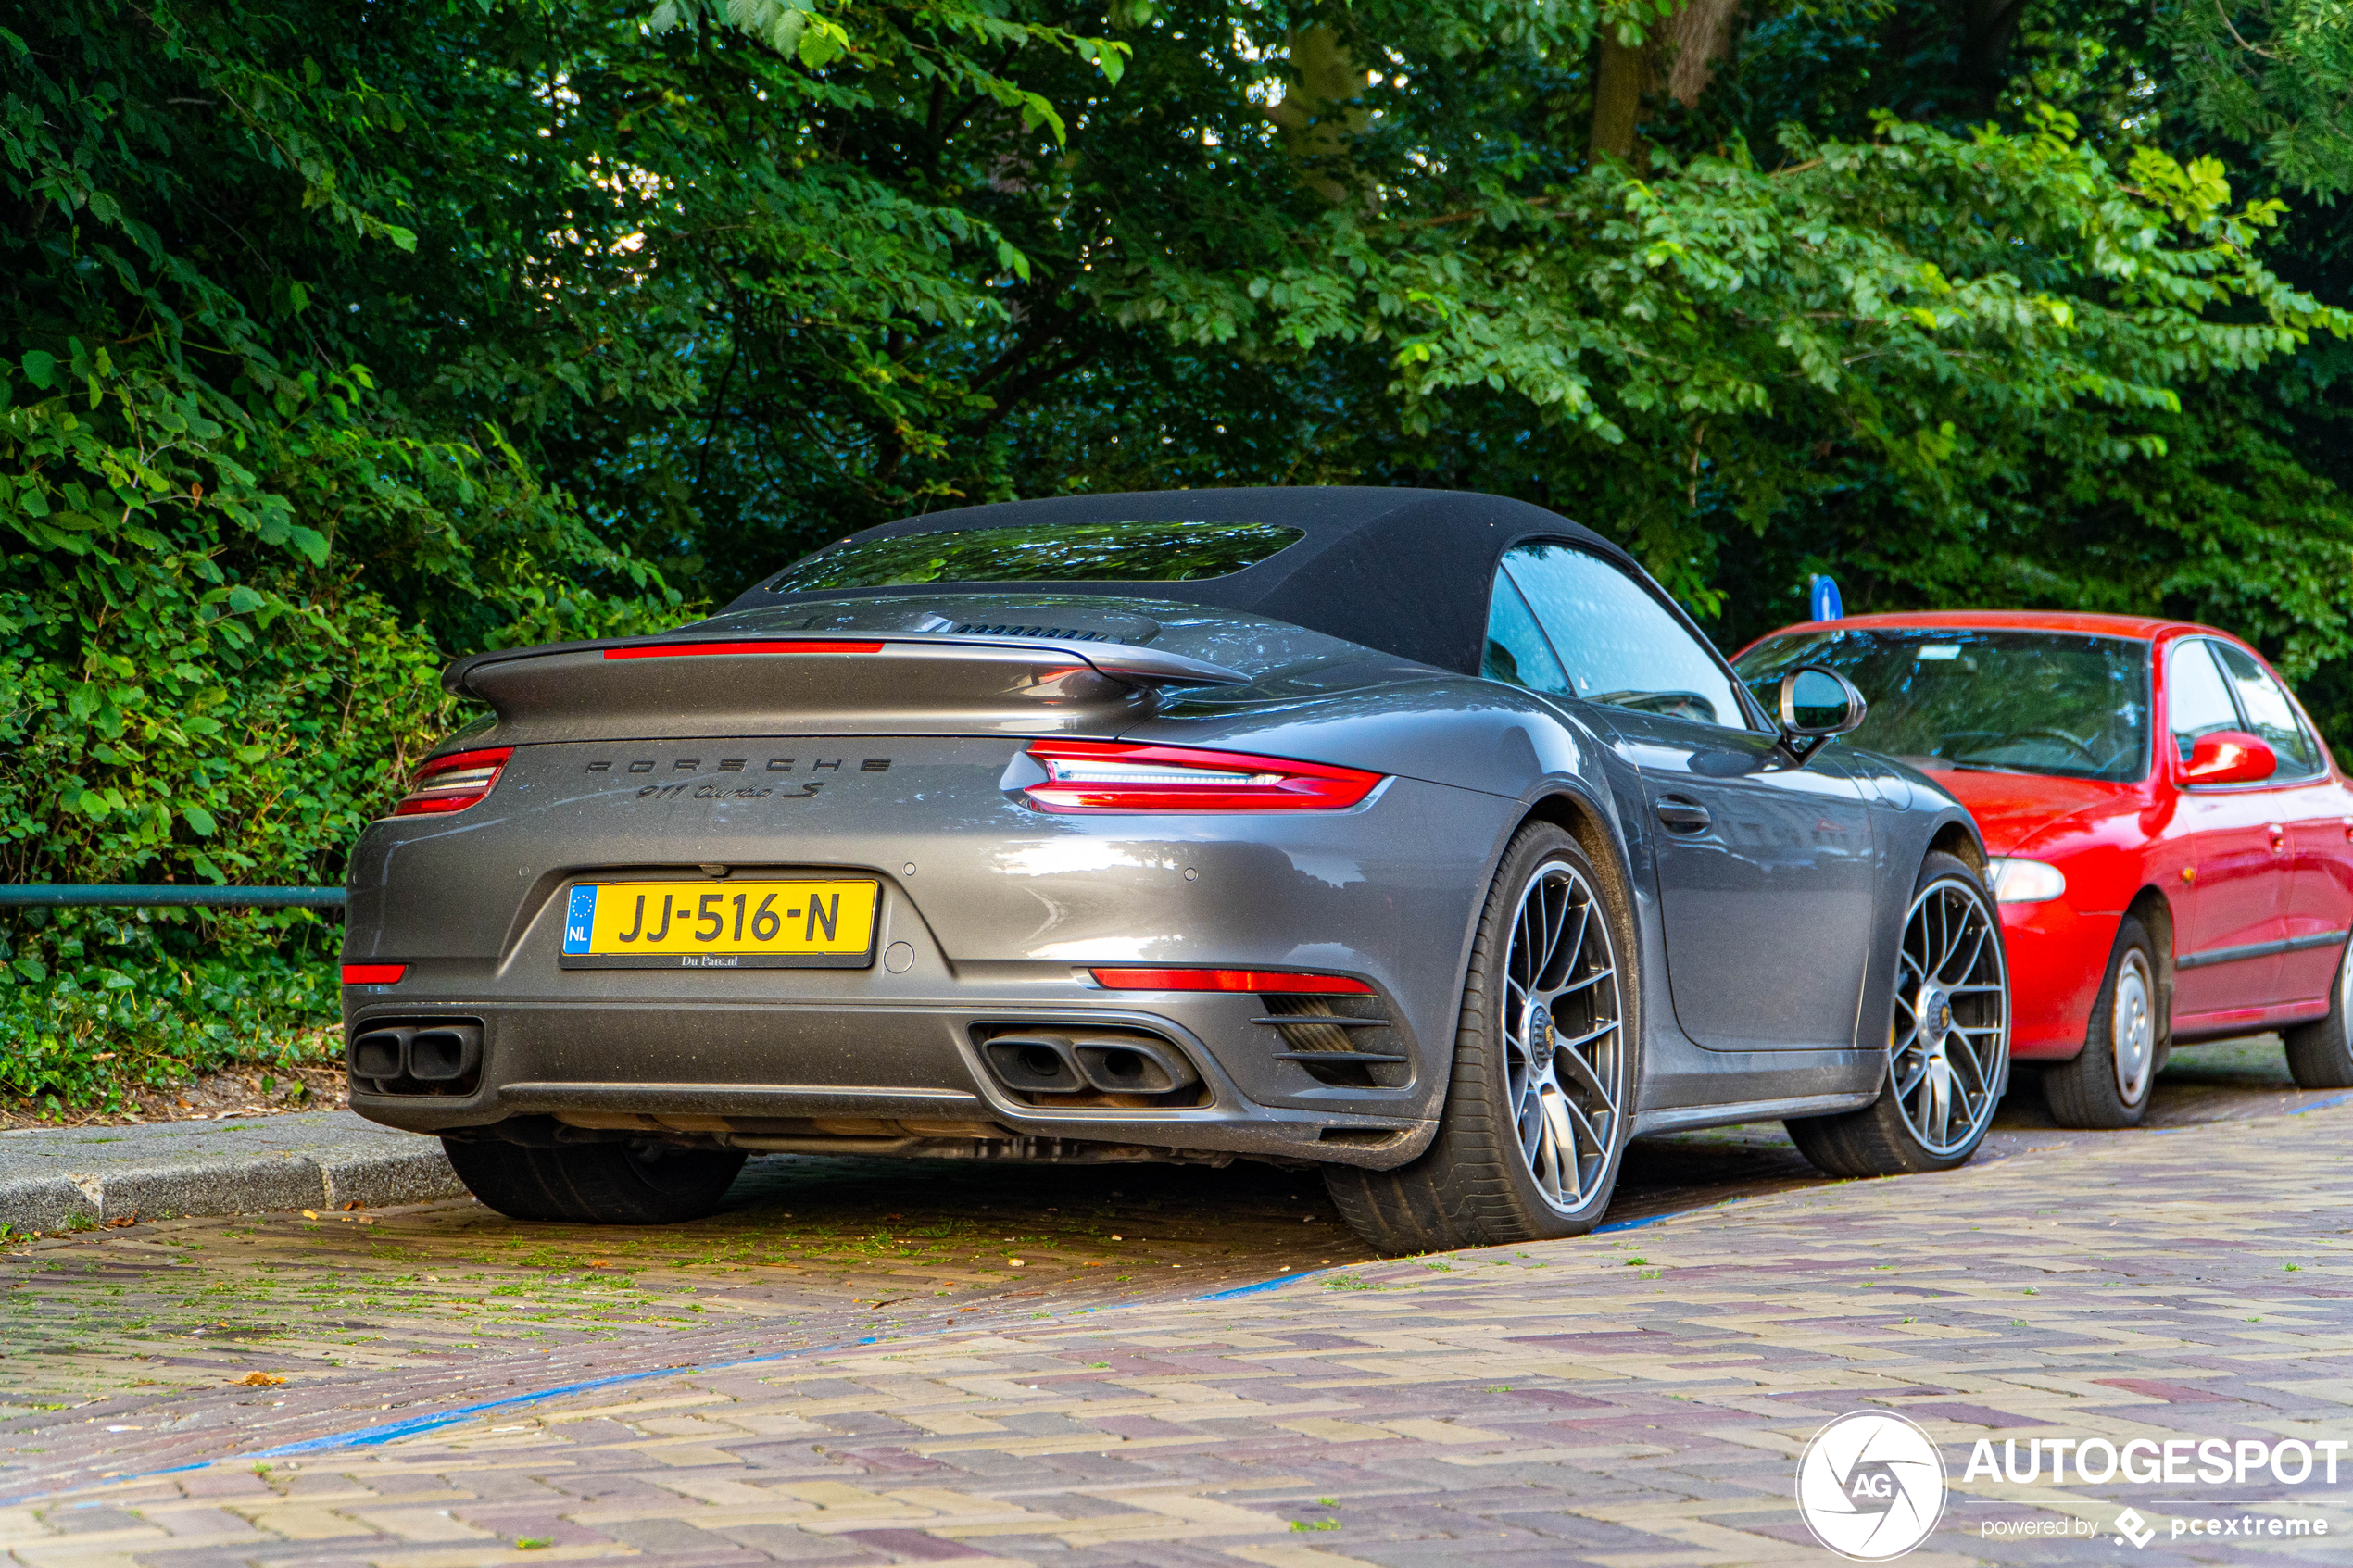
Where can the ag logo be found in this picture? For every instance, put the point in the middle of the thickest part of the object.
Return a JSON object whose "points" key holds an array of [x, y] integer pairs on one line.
{"points": [[1870, 1486]]}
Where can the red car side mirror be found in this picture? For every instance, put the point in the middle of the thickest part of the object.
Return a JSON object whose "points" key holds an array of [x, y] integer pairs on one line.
{"points": [[2230, 757]]}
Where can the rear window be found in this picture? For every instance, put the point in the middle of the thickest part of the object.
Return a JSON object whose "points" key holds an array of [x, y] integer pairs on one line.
{"points": [[1092, 552]]}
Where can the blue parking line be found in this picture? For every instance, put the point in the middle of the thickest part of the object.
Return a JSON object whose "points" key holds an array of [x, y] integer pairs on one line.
{"points": [[1265, 1285], [392, 1431]]}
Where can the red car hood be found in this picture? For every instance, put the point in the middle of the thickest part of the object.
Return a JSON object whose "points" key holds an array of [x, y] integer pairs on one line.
{"points": [[2012, 808]]}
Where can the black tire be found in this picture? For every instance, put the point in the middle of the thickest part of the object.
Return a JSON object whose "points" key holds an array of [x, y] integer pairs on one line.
{"points": [[2112, 1078], [1480, 1182], [597, 1183], [1881, 1139], [2319, 1055]]}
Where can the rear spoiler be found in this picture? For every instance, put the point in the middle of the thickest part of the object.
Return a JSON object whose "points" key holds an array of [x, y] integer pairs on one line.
{"points": [[1146, 668], [716, 683]]}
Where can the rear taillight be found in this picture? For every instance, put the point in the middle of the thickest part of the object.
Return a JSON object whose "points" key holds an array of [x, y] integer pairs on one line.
{"points": [[1282, 982], [453, 783], [1090, 775]]}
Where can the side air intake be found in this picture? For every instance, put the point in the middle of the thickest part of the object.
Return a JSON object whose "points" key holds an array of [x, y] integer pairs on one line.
{"points": [[1342, 1041]]}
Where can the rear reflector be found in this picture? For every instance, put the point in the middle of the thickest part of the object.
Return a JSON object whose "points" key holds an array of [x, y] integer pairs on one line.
{"points": [[682, 651], [1090, 775], [1259, 979], [373, 973], [453, 783]]}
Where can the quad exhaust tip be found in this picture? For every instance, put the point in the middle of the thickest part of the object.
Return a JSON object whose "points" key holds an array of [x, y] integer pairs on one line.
{"points": [[436, 1058], [1084, 1065]]}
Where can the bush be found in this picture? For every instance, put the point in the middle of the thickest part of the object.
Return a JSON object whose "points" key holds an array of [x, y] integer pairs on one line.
{"points": [[152, 998], [230, 566]]}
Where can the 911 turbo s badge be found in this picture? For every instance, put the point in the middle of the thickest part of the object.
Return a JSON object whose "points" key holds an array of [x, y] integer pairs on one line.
{"points": [[702, 787], [723, 791]]}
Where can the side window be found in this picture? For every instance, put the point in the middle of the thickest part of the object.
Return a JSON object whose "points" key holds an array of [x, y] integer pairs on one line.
{"points": [[1619, 644], [1517, 652], [2269, 712], [2198, 701]]}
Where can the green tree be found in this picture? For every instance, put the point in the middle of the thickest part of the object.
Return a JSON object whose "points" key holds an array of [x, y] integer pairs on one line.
{"points": [[338, 341]]}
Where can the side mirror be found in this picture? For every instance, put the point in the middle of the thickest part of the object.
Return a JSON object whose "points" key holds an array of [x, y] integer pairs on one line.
{"points": [[2230, 757], [1815, 704]]}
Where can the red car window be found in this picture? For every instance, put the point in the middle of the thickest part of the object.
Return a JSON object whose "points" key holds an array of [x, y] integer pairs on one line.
{"points": [[2269, 714], [2197, 700]]}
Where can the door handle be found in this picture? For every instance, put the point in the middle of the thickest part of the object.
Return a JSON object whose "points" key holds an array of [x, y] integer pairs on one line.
{"points": [[2279, 836], [1680, 813]]}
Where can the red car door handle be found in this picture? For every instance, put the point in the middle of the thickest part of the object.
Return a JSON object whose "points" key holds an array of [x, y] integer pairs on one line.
{"points": [[2279, 836]]}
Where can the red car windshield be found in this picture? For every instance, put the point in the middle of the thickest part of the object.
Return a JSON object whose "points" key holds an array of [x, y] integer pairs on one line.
{"points": [[2020, 702]]}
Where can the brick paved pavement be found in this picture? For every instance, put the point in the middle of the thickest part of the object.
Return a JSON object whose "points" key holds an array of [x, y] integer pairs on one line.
{"points": [[1633, 1400]]}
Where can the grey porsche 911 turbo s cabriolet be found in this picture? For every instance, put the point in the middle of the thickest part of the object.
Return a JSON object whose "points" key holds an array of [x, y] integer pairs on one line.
{"points": [[1412, 835]]}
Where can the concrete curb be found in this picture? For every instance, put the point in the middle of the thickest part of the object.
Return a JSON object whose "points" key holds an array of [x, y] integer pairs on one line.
{"points": [[70, 1178]]}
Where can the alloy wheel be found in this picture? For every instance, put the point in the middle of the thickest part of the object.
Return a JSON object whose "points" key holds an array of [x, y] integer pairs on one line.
{"points": [[1951, 1028], [2344, 988], [2131, 1028], [1564, 1048]]}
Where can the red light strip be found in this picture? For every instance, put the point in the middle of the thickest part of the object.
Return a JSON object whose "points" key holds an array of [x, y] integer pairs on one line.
{"points": [[373, 973], [489, 758], [1260, 980], [1158, 780], [684, 650]]}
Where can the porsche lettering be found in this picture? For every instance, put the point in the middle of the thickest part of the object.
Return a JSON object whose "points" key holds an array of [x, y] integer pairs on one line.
{"points": [[738, 764]]}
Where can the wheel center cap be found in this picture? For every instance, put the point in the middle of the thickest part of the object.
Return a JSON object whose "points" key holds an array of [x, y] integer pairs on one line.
{"points": [[1936, 1013], [1540, 1028]]}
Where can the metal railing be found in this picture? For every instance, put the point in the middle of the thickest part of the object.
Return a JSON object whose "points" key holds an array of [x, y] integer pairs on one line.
{"points": [[132, 896]]}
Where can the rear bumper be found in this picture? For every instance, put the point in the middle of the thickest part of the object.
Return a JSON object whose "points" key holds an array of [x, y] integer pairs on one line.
{"points": [[900, 1075], [990, 916]]}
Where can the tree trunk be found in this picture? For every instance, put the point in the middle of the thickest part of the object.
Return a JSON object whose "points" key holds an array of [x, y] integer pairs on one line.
{"points": [[1619, 82], [1686, 45], [1698, 35], [1985, 28], [1323, 110]]}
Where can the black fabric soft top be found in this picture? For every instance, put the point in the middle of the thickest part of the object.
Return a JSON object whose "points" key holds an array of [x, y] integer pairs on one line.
{"points": [[1405, 572]]}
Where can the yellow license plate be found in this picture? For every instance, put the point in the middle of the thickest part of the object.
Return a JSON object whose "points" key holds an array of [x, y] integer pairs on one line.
{"points": [[800, 924]]}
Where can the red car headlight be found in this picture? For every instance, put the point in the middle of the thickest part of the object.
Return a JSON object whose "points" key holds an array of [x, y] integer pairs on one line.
{"points": [[2017, 881], [1087, 775]]}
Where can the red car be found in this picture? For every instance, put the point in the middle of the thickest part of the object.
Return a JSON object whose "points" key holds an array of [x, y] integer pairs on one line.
{"points": [[2172, 844]]}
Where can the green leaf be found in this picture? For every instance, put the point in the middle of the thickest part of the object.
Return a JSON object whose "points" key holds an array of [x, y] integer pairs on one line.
{"points": [[40, 365]]}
